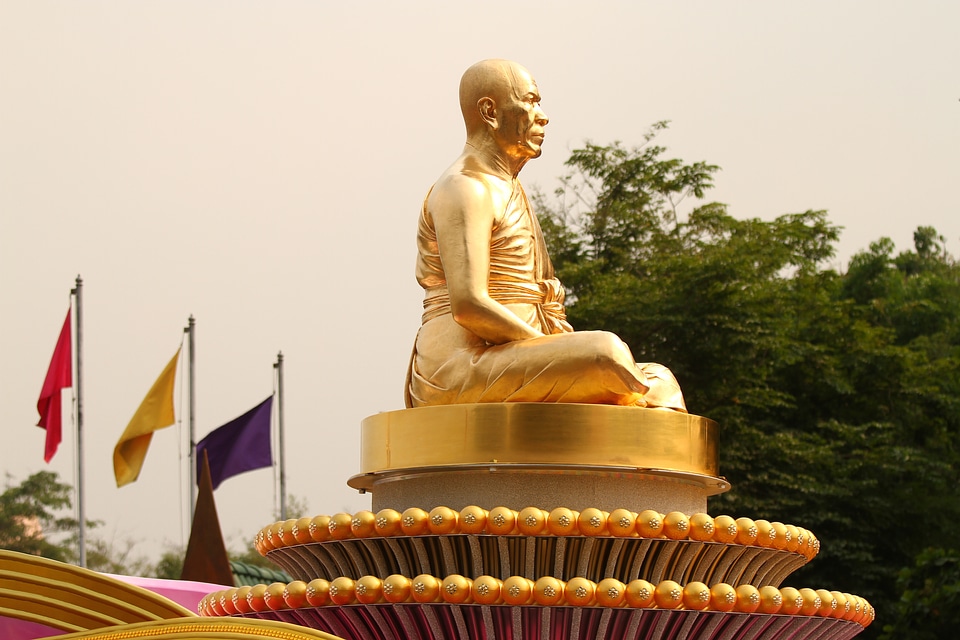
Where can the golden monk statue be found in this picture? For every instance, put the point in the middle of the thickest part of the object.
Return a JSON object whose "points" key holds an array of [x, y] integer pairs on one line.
{"points": [[494, 327]]}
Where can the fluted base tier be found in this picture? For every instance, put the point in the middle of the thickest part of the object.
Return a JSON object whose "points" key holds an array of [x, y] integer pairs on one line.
{"points": [[499, 622], [535, 556], [515, 454]]}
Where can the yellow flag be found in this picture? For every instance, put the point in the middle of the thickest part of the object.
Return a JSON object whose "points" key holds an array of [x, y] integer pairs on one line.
{"points": [[155, 412]]}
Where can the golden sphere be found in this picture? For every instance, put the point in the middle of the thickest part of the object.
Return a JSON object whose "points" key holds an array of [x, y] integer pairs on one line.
{"points": [[562, 522], [848, 609], [320, 528], [725, 529], [828, 605], [212, 604], [668, 595], [843, 605], [517, 590], [793, 540], [696, 596], [770, 600], [792, 601], [396, 588], [780, 540], [746, 531], [611, 593], [339, 526], [425, 588], [295, 594], [255, 598], [622, 523], [286, 532], [803, 539], [501, 521], [239, 598], [702, 527], [301, 531], [676, 525], [548, 591], [811, 602], [270, 537], [766, 534], [579, 592], [443, 520], [748, 598], [387, 523], [414, 522], [363, 524], [369, 590], [650, 523], [473, 519], [639, 594], [226, 602], [342, 590], [723, 597], [531, 522], [592, 522], [486, 590], [318, 592], [273, 596], [813, 546], [870, 615], [456, 589]]}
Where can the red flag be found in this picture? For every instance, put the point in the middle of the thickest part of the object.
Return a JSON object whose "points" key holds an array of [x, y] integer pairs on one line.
{"points": [[59, 376]]}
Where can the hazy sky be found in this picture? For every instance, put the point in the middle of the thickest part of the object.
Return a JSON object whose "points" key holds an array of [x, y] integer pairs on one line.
{"points": [[261, 166]]}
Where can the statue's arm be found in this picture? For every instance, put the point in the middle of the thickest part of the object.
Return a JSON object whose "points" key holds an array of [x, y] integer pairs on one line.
{"points": [[463, 212]]}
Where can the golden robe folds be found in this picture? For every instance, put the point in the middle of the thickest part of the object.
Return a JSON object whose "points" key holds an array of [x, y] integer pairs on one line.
{"points": [[452, 365]]}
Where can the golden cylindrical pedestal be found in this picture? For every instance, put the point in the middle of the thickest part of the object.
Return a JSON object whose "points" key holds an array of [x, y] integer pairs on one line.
{"points": [[549, 455]]}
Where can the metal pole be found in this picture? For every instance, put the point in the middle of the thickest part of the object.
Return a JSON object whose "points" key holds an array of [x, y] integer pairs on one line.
{"points": [[191, 411], [280, 456], [81, 507]]}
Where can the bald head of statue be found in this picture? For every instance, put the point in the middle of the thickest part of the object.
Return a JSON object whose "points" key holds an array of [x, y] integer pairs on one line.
{"points": [[500, 101]]}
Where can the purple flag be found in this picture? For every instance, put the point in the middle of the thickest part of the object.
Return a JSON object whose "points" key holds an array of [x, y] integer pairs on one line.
{"points": [[243, 444]]}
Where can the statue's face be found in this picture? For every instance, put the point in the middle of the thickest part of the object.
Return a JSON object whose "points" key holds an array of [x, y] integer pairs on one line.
{"points": [[521, 120]]}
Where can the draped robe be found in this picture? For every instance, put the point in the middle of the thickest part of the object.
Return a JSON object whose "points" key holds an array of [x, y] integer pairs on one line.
{"points": [[452, 365]]}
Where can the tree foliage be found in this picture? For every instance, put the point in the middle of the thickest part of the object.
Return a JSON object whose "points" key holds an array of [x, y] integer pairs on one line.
{"points": [[837, 394], [31, 516]]}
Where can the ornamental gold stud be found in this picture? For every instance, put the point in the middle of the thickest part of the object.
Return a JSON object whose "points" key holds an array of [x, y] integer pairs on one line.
{"points": [[770, 600], [696, 595], [639, 594], [387, 523], [668, 595], [530, 521], [562, 522], [295, 594], [792, 601], [473, 519], [723, 597], [676, 525], [650, 523], [622, 523], [443, 520], [548, 591]]}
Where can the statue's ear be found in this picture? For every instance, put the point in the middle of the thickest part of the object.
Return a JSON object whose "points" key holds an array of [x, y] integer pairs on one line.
{"points": [[488, 112]]}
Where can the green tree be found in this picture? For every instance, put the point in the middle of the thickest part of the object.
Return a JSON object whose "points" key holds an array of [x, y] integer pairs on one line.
{"points": [[929, 606], [837, 394], [31, 516]]}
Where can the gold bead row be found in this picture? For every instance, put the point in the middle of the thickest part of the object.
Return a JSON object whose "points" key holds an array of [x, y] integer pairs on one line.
{"points": [[547, 591], [533, 521]]}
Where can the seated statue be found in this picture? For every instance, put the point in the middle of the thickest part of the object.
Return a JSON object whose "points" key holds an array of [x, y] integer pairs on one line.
{"points": [[494, 327]]}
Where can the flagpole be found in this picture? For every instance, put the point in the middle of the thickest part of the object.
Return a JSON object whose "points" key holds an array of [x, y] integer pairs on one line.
{"points": [[81, 510], [191, 402], [283, 476]]}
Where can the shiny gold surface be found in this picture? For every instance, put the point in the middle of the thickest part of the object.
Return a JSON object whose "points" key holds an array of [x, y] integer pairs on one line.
{"points": [[539, 434], [494, 327]]}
